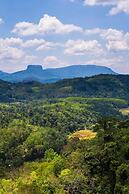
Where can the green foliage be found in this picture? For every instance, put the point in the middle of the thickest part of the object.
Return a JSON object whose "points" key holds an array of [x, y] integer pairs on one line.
{"points": [[102, 86], [37, 157], [21, 141]]}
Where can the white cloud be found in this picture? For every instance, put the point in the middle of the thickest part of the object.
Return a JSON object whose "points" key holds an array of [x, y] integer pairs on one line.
{"points": [[10, 54], [1, 21], [118, 45], [93, 31], [8, 51], [47, 46], [118, 6], [82, 47], [40, 44], [100, 2], [52, 62], [116, 40], [121, 6], [47, 24], [111, 34], [10, 42], [112, 39], [11, 50], [17, 51], [33, 43], [28, 59]]}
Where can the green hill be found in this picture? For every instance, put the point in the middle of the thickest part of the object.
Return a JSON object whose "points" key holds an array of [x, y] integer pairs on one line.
{"points": [[109, 86], [36, 154]]}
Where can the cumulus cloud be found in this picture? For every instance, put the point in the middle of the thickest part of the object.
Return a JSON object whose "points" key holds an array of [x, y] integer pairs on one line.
{"points": [[18, 51], [82, 47], [39, 44], [48, 46], [108, 47], [47, 25], [10, 42], [33, 43], [117, 6], [11, 50], [10, 54], [53, 61], [121, 6], [8, 51], [115, 40]]}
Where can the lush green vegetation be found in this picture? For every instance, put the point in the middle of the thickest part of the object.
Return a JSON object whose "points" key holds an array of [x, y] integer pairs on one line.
{"points": [[109, 86], [38, 157], [36, 153], [68, 114], [98, 165]]}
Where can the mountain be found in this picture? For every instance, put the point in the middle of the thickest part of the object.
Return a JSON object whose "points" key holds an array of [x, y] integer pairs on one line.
{"points": [[80, 71], [102, 86], [32, 73], [4, 75], [37, 73]]}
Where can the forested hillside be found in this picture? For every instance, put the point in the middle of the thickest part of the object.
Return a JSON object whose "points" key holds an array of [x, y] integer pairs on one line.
{"points": [[74, 144], [40, 153], [111, 86]]}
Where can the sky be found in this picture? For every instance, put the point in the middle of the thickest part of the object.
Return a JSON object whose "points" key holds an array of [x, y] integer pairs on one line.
{"points": [[56, 33]]}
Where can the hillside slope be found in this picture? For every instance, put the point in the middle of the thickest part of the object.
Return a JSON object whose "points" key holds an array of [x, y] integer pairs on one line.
{"points": [[109, 86]]}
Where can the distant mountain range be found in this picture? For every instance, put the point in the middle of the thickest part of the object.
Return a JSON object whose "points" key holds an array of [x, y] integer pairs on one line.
{"points": [[37, 73]]}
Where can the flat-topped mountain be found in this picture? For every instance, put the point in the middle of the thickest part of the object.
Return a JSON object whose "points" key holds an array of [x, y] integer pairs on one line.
{"points": [[34, 68], [37, 73]]}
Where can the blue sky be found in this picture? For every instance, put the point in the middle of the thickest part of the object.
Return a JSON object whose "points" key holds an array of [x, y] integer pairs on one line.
{"points": [[58, 33]]}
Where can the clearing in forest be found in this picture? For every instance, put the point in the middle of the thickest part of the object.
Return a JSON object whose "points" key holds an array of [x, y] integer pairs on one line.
{"points": [[125, 111], [84, 134]]}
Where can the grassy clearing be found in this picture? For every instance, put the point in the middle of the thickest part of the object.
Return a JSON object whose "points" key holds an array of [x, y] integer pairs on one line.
{"points": [[124, 111], [84, 134]]}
